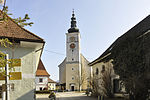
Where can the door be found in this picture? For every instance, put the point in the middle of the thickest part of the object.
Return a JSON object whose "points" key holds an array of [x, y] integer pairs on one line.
{"points": [[116, 86], [72, 88]]}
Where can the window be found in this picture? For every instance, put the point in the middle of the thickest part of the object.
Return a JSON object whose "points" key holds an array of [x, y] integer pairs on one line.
{"points": [[72, 78], [72, 68], [97, 71], [72, 39], [40, 80], [72, 59], [40, 88], [103, 68]]}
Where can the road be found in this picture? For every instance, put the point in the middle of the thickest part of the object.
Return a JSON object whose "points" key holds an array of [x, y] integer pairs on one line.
{"points": [[66, 96]]}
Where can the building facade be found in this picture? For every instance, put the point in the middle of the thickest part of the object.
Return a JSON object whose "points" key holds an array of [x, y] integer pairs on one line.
{"points": [[51, 84], [140, 33], [27, 50], [74, 70]]}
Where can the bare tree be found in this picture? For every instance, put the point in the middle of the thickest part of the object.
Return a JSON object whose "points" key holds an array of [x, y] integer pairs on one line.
{"points": [[81, 77], [95, 85], [107, 81]]}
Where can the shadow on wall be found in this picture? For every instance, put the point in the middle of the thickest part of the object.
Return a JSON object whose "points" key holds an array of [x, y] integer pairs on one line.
{"points": [[28, 96], [18, 52]]}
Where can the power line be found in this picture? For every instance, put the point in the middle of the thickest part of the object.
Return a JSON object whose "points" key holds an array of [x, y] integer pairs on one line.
{"points": [[60, 53], [55, 52]]}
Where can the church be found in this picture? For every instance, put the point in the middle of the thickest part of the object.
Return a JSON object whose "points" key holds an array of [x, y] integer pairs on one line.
{"points": [[74, 71]]}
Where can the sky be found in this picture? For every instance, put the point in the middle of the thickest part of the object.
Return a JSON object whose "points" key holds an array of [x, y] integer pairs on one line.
{"points": [[100, 23]]}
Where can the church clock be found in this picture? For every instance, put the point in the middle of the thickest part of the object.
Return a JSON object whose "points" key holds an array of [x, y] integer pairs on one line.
{"points": [[72, 45]]}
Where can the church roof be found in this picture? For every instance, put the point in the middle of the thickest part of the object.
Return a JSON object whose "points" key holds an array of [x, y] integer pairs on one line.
{"points": [[41, 71], [51, 81], [11, 30], [135, 32]]}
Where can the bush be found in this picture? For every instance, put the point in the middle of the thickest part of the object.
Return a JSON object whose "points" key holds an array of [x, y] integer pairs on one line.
{"points": [[44, 92]]}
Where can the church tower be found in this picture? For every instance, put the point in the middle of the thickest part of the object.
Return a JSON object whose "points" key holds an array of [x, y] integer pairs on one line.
{"points": [[73, 64], [74, 70], [73, 42]]}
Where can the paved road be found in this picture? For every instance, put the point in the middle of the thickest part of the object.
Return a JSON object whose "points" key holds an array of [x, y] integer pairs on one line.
{"points": [[67, 96]]}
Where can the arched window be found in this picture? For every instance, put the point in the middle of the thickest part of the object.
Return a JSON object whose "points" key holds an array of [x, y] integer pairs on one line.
{"points": [[72, 78], [103, 68], [97, 71]]}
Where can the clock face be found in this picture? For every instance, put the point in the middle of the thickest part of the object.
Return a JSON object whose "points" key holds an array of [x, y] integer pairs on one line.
{"points": [[72, 45]]}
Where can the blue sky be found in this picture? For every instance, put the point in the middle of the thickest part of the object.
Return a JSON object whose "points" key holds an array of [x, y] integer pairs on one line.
{"points": [[100, 22]]}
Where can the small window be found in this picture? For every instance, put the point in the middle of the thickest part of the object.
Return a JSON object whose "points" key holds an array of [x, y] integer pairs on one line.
{"points": [[40, 88], [40, 80], [72, 39], [103, 68], [72, 59], [72, 78], [72, 68], [97, 71]]}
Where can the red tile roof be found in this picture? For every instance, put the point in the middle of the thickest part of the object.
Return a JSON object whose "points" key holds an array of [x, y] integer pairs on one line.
{"points": [[51, 81], [10, 29], [41, 71]]}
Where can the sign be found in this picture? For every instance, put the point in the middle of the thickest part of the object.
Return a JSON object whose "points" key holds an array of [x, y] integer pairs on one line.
{"points": [[15, 62], [13, 76]]}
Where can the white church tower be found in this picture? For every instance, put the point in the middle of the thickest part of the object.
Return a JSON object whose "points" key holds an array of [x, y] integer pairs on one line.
{"points": [[73, 62], [74, 65]]}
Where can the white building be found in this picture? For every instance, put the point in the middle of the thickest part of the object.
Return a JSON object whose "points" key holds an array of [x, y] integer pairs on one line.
{"points": [[27, 48], [42, 77], [74, 71]]}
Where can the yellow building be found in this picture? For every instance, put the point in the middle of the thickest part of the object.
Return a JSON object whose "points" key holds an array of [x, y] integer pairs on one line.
{"points": [[51, 84]]}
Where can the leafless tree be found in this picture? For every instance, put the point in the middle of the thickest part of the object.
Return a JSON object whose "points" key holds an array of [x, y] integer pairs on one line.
{"points": [[107, 82], [81, 77]]}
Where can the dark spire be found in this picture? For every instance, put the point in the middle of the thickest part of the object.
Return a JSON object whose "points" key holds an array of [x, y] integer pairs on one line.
{"points": [[73, 24]]}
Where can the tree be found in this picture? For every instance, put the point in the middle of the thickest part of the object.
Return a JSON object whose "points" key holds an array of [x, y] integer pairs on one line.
{"points": [[81, 78], [20, 21], [4, 43], [95, 84], [132, 65], [107, 81]]}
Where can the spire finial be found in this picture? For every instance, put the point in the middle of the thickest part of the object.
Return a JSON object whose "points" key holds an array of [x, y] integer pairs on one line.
{"points": [[72, 11]]}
